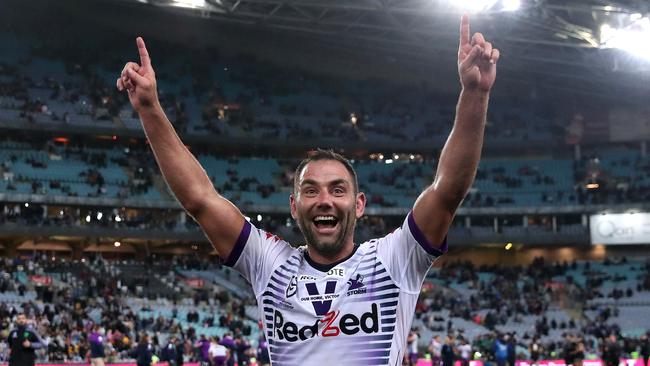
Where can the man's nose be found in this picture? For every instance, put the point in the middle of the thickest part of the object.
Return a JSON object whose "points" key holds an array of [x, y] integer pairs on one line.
{"points": [[324, 199]]}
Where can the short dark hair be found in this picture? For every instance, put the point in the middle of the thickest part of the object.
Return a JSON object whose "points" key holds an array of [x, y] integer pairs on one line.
{"points": [[322, 154]]}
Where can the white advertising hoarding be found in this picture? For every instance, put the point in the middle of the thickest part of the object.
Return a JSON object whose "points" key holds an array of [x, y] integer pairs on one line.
{"points": [[626, 228]]}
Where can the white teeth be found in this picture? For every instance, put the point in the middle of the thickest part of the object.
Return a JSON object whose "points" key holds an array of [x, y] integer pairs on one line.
{"points": [[324, 218]]}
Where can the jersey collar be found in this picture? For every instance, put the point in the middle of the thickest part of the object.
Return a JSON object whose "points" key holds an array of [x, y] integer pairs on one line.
{"points": [[327, 267]]}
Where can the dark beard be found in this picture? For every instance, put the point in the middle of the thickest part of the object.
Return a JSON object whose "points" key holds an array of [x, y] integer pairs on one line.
{"points": [[327, 250]]}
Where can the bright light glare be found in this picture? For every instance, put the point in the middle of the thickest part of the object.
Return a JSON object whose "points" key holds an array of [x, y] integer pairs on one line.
{"points": [[192, 4], [632, 38], [510, 5], [475, 5]]}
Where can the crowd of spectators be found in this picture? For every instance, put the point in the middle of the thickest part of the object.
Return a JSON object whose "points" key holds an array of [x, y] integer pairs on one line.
{"points": [[93, 296], [405, 179], [236, 92], [511, 293], [82, 301]]}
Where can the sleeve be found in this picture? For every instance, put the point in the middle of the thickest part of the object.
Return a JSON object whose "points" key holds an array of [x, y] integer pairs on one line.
{"points": [[407, 255], [36, 341], [256, 254], [11, 339]]}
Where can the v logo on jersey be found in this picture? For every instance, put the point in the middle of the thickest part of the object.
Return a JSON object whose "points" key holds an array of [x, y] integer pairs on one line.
{"points": [[321, 307]]}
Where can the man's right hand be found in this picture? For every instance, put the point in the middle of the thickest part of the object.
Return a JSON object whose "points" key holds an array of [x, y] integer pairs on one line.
{"points": [[139, 80]]}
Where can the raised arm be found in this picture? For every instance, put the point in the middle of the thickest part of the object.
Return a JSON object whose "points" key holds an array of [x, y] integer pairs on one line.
{"points": [[221, 221], [434, 210]]}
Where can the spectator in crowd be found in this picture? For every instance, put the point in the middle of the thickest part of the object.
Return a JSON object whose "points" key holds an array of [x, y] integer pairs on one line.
{"points": [[435, 348], [23, 341], [203, 346], [263, 356], [144, 351], [168, 353], [644, 348], [535, 349], [447, 352], [218, 353], [412, 345], [611, 351], [96, 349], [465, 352], [512, 349], [501, 350]]}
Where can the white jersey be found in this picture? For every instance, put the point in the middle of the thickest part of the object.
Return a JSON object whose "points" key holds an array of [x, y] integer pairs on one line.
{"points": [[355, 312]]}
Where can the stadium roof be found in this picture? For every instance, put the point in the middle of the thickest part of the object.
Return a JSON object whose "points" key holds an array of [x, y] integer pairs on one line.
{"points": [[553, 43]]}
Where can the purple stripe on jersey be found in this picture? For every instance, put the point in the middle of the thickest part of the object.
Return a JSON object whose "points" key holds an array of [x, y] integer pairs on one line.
{"points": [[377, 297], [371, 346], [377, 281], [368, 267], [269, 302], [382, 337], [371, 354], [292, 269], [239, 245], [371, 274], [274, 288], [348, 340], [376, 361], [422, 240], [271, 294], [387, 304], [387, 329], [381, 288], [388, 312], [293, 263], [369, 259], [284, 276], [283, 284]]}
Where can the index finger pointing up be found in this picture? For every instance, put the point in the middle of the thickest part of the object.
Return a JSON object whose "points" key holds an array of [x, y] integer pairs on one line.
{"points": [[144, 55], [464, 30]]}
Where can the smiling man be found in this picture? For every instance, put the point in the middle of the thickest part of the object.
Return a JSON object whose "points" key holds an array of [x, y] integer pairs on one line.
{"points": [[332, 301]]}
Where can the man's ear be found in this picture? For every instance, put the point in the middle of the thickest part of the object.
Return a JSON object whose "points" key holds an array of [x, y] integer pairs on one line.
{"points": [[360, 204], [292, 205]]}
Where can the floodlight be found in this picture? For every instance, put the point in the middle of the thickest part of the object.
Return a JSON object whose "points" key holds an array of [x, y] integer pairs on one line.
{"points": [[192, 4], [632, 38], [475, 5], [510, 5]]}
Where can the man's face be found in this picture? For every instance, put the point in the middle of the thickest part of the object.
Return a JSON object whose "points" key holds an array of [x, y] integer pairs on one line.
{"points": [[21, 320], [325, 205]]}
